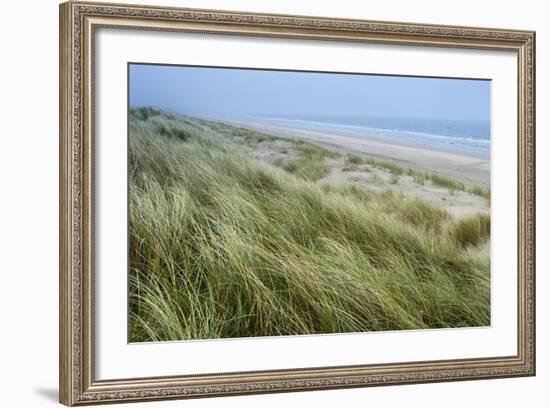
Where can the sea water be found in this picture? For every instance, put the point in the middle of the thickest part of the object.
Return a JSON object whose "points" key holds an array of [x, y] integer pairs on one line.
{"points": [[470, 137]]}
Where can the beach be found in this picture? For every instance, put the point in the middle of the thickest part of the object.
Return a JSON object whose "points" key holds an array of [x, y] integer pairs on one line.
{"points": [[470, 170], [467, 167]]}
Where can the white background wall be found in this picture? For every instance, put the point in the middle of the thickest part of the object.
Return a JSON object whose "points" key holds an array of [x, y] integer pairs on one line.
{"points": [[28, 203]]}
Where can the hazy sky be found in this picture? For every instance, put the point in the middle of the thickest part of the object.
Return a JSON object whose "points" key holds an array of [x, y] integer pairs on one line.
{"points": [[235, 92]]}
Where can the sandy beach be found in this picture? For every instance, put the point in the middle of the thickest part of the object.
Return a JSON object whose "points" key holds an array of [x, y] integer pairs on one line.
{"points": [[468, 168]]}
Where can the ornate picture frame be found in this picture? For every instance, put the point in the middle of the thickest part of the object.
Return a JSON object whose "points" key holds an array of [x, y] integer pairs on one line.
{"points": [[79, 22]]}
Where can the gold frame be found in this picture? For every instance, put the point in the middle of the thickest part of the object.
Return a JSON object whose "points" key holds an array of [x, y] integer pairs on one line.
{"points": [[78, 22]]}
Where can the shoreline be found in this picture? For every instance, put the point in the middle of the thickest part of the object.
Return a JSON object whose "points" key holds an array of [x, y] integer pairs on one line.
{"points": [[468, 168]]}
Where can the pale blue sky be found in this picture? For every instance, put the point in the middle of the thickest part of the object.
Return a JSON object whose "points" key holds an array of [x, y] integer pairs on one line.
{"points": [[238, 92]]}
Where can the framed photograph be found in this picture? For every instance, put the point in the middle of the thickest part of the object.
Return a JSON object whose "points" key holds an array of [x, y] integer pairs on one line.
{"points": [[256, 203]]}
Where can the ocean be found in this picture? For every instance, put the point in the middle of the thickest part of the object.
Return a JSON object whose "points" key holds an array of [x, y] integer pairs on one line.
{"points": [[471, 137]]}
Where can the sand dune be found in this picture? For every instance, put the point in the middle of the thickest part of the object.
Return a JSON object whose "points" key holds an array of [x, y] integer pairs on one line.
{"points": [[457, 164]]}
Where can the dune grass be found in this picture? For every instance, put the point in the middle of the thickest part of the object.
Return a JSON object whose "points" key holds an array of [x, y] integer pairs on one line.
{"points": [[354, 159], [311, 163], [480, 191], [447, 182], [472, 231], [222, 245], [420, 177]]}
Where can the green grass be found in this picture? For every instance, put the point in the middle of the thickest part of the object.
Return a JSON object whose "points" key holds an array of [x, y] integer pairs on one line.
{"points": [[393, 168], [472, 231], [223, 246], [446, 182], [311, 163], [452, 184], [420, 177], [352, 162], [480, 191], [308, 167], [354, 159], [311, 149]]}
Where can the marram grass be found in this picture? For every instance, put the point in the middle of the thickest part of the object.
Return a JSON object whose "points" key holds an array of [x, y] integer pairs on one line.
{"points": [[222, 245]]}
